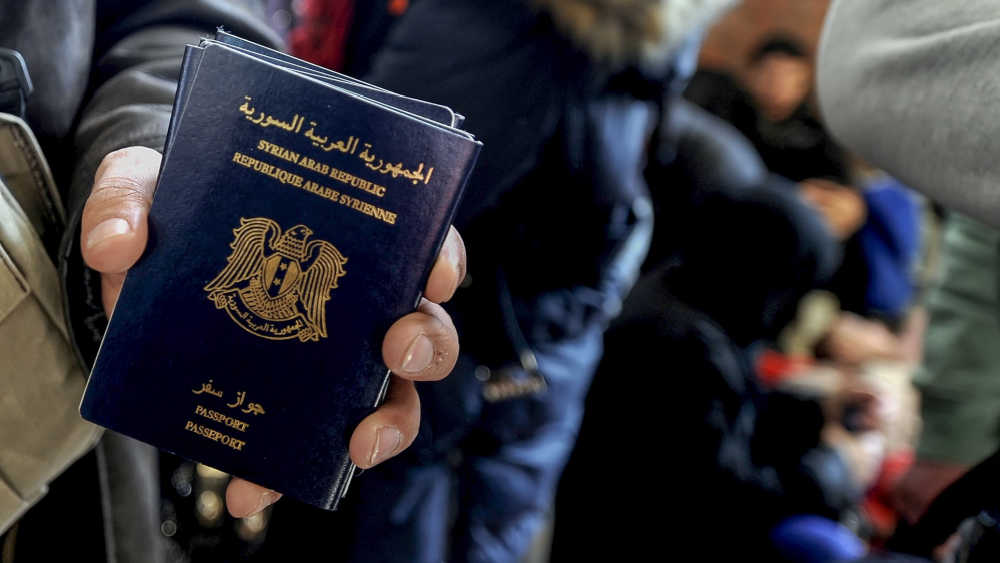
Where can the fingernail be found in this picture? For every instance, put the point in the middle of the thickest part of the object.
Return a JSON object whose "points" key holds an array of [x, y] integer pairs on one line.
{"points": [[267, 498], [387, 441], [453, 256], [106, 230], [419, 355]]}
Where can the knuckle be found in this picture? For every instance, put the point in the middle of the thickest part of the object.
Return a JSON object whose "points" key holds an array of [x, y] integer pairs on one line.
{"points": [[445, 354], [130, 166], [444, 338], [401, 418], [118, 190], [404, 408]]}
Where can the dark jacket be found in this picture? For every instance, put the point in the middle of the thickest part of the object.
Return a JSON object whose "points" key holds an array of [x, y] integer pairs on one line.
{"points": [[104, 74], [677, 384], [557, 208], [551, 202]]}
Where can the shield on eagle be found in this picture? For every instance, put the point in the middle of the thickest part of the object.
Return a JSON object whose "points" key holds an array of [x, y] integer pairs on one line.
{"points": [[280, 274]]}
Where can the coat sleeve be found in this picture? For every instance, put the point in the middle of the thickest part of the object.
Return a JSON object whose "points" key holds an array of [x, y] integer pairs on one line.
{"points": [[914, 87], [138, 48]]}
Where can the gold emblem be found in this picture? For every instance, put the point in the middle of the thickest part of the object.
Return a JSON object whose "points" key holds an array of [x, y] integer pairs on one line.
{"points": [[276, 285]]}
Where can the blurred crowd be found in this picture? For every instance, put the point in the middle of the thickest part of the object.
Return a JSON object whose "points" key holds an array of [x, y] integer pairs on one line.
{"points": [[694, 322]]}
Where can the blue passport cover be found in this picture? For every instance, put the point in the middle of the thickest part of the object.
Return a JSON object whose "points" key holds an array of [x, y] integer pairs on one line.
{"points": [[292, 224]]}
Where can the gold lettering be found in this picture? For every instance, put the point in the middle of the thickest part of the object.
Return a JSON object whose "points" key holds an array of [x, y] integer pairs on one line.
{"points": [[222, 418], [360, 183], [214, 435], [288, 178], [279, 174], [368, 209], [315, 166], [278, 151]]}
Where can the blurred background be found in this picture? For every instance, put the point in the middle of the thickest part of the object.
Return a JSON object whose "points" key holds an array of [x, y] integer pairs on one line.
{"points": [[790, 273], [809, 265]]}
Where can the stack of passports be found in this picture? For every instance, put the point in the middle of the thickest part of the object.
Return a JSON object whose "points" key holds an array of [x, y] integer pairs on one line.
{"points": [[297, 215]]}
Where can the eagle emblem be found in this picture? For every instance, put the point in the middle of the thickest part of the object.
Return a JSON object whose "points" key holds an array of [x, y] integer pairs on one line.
{"points": [[276, 284]]}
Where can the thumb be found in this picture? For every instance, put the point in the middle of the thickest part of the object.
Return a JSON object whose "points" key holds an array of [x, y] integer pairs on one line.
{"points": [[113, 227]]}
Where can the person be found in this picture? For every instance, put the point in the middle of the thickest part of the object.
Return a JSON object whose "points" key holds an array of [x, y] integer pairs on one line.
{"points": [[872, 213], [909, 87], [772, 108], [565, 94], [741, 462], [104, 77]]}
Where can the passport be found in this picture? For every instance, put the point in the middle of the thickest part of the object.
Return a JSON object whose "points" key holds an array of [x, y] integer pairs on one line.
{"points": [[297, 215]]}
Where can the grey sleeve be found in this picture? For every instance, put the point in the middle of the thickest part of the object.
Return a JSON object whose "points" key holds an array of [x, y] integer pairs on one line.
{"points": [[914, 87], [138, 51], [137, 55]]}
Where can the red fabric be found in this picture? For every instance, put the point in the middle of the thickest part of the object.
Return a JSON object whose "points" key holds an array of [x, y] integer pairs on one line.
{"points": [[878, 501], [321, 33], [774, 367]]}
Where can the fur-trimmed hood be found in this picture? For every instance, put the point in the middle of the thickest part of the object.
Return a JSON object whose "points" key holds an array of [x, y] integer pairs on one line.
{"points": [[621, 32]]}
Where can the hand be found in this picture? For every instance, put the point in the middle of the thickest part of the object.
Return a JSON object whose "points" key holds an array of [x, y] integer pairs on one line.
{"points": [[422, 346], [854, 340], [842, 206], [922, 484]]}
